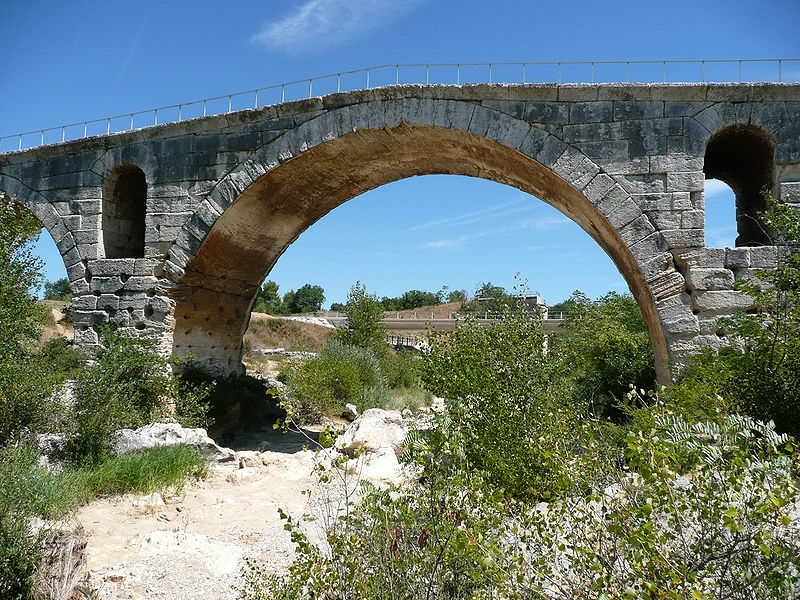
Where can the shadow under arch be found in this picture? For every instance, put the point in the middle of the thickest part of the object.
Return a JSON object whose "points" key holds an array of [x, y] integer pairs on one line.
{"points": [[215, 291]]}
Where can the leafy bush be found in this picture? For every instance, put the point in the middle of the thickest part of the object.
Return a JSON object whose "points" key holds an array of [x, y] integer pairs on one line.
{"points": [[699, 511], [363, 328], [704, 512], [502, 392], [20, 556], [337, 375], [606, 350], [129, 386], [401, 369], [24, 388], [758, 373]]}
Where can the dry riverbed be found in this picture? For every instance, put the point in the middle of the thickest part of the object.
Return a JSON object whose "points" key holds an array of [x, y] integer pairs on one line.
{"points": [[194, 544]]}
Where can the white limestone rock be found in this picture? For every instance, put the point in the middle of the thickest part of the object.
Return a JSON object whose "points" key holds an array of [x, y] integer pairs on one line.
{"points": [[374, 429], [170, 434]]}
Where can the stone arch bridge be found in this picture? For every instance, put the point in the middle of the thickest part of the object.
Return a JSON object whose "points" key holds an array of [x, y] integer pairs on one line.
{"points": [[169, 230]]}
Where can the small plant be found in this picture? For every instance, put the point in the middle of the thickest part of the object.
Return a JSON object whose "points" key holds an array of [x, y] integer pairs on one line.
{"points": [[363, 328], [129, 386], [339, 374]]}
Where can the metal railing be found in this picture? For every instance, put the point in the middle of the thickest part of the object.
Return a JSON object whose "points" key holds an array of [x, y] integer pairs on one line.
{"points": [[639, 71], [441, 315]]}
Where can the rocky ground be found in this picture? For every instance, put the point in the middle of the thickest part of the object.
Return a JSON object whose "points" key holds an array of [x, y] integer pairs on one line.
{"points": [[192, 544]]}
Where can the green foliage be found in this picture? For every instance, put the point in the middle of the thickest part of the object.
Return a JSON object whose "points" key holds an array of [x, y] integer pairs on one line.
{"points": [[457, 296], [25, 383], [401, 369], [268, 299], [20, 556], [57, 290], [406, 544], [20, 314], [490, 298], [502, 392], [129, 385], [759, 372], [363, 328], [337, 375], [703, 513], [687, 512], [148, 471], [413, 299], [606, 351], [308, 298]]}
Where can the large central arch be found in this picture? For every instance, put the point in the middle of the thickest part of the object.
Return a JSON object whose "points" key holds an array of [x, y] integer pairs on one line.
{"points": [[215, 289]]}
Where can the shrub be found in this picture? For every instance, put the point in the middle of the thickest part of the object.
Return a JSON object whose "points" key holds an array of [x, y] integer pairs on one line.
{"points": [[758, 373], [606, 350], [129, 386], [20, 556], [502, 391], [696, 512], [401, 369], [703, 512], [363, 328], [337, 375]]}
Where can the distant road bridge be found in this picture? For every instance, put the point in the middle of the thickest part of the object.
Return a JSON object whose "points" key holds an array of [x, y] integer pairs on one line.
{"points": [[168, 230], [442, 324]]}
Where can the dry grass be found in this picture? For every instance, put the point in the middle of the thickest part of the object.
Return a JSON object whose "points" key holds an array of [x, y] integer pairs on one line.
{"points": [[266, 331], [63, 562], [55, 324]]}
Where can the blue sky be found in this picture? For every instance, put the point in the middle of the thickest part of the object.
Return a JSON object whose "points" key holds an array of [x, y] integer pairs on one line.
{"points": [[71, 61]]}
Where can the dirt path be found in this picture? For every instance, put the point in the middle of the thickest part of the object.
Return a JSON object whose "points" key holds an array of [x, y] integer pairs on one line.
{"points": [[193, 546]]}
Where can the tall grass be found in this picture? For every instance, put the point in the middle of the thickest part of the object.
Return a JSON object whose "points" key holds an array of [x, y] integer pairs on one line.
{"points": [[29, 489]]}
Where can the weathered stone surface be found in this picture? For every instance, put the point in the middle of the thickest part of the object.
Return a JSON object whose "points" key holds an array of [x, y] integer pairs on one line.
{"points": [[170, 434], [374, 429], [721, 301], [710, 279], [626, 161]]}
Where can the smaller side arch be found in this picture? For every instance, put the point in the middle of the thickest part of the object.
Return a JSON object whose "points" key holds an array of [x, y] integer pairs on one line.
{"points": [[124, 211], [743, 157]]}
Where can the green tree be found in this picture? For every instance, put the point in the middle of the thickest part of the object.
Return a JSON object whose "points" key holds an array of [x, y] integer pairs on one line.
{"points": [[308, 298], [20, 315], [268, 299], [606, 351], [457, 296], [504, 399], [57, 290], [363, 327], [25, 383], [490, 298], [412, 299]]}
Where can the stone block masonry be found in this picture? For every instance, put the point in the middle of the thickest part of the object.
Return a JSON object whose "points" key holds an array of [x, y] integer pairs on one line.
{"points": [[168, 231]]}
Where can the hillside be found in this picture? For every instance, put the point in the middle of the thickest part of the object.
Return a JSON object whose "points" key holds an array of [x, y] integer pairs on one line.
{"points": [[266, 331], [56, 322]]}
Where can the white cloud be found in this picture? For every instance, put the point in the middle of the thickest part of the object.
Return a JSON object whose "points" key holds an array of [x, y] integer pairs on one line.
{"points": [[534, 224], [472, 216], [319, 23], [715, 188]]}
